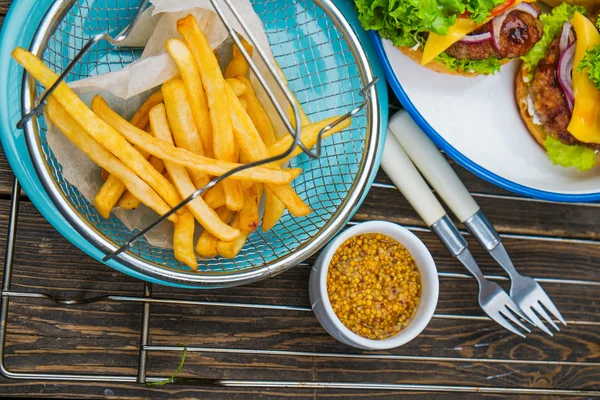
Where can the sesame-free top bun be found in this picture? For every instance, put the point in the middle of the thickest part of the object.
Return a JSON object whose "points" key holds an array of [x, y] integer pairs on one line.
{"points": [[521, 93], [417, 55]]}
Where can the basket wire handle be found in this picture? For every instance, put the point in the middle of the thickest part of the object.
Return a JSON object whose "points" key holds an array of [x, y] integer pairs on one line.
{"points": [[37, 110], [294, 131]]}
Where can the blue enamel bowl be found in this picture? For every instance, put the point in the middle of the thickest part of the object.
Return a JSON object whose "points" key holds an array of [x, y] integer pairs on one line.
{"points": [[321, 71]]}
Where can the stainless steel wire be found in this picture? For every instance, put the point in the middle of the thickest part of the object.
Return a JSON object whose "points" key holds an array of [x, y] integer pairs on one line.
{"points": [[145, 348]]}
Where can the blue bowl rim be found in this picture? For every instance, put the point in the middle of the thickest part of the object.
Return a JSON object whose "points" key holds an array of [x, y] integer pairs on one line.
{"points": [[457, 155]]}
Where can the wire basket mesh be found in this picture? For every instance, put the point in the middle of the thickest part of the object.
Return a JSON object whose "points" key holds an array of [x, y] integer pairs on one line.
{"points": [[322, 70]]}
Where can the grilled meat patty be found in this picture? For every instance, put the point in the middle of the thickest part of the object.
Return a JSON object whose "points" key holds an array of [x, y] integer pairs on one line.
{"points": [[519, 32], [549, 101]]}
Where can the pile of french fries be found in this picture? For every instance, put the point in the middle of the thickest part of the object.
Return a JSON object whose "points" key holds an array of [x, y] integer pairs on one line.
{"points": [[197, 126]]}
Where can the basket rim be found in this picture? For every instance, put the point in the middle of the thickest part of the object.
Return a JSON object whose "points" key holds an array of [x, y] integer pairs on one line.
{"points": [[166, 275]]}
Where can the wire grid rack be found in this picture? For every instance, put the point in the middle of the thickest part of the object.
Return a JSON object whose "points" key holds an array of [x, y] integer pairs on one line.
{"points": [[146, 347], [321, 69]]}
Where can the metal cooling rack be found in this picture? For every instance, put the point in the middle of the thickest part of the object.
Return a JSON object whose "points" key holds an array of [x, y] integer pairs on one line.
{"points": [[145, 346]]}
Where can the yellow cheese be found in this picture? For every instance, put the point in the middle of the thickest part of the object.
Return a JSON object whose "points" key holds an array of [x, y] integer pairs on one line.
{"points": [[585, 121], [436, 44]]}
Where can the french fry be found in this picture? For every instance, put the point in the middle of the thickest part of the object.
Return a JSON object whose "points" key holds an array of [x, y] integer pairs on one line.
{"points": [[253, 147], [234, 194], [238, 64], [245, 184], [110, 193], [215, 197], [185, 158], [195, 91], [183, 239], [273, 211], [207, 243], [180, 178], [129, 201], [273, 207], [214, 84], [182, 124], [104, 201], [105, 174], [231, 249], [99, 130], [237, 85], [257, 113], [114, 193], [308, 136], [140, 119], [249, 219], [112, 190], [104, 159]]}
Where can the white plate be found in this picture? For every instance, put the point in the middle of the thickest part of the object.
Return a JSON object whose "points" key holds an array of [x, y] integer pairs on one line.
{"points": [[476, 121]]}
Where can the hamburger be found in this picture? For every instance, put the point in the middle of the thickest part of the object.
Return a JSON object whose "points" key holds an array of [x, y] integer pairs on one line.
{"points": [[466, 37], [558, 88]]}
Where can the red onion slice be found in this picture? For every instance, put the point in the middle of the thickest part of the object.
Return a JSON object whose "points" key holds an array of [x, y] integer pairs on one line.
{"points": [[565, 39], [527, 8], [480, 38], [498, 21], [564, 73]]}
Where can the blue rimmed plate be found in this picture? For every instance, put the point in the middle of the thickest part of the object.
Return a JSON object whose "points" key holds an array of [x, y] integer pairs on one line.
{"points": [[477, 123]]}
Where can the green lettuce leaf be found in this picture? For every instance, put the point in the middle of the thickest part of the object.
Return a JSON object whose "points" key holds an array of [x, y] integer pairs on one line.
{"points": [[591, 61], [404, 21], [577, 156], [552, 23], [480, 9], [486, 67]]}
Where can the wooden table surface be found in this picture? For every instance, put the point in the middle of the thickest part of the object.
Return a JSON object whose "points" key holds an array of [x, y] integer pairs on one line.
{"points": [[559, 243]]}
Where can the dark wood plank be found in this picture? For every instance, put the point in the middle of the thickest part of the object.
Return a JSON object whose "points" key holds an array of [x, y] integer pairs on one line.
{"points": [[508, 215], [86, 347], [4, 4], [44, 259], [87, 390], [473, 183], [6, 176]]}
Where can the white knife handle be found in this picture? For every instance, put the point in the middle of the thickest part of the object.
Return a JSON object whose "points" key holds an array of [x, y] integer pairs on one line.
{"points": [[433, 165], [409, 181]]}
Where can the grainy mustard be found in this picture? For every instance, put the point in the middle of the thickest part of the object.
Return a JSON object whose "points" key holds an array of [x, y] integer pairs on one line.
{"points": [[374, 285]]}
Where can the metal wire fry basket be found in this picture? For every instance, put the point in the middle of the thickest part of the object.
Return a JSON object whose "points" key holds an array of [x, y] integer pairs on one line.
{"points": [[326, 67]]}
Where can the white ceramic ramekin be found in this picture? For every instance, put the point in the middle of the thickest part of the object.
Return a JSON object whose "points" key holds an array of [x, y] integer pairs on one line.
{"points": [[321, 305]]}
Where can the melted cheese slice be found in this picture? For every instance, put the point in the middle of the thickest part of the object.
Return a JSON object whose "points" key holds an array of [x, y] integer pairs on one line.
{"points": [[585, 121], [436, 44]]}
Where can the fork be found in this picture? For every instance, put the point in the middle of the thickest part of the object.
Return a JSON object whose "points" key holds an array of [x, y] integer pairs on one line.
{"points": [[494, 301], [526, 292]]}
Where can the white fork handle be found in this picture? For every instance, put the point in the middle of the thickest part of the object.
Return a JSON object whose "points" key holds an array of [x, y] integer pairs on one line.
{"points": [[433, 165], [408, 180]]}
